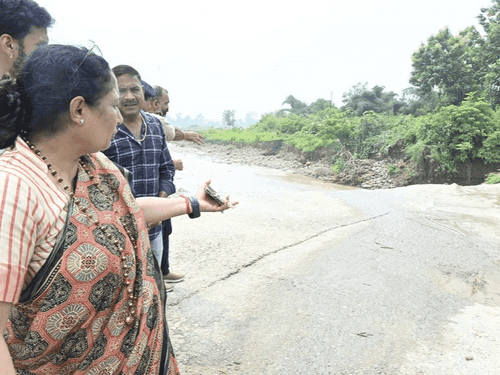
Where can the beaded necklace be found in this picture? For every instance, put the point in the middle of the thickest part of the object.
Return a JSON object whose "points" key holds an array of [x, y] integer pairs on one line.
{"points": [[145, 129], [126, 268]]}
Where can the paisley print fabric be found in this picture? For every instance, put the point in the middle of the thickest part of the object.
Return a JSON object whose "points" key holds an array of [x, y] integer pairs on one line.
{"points": [[76, 322]]}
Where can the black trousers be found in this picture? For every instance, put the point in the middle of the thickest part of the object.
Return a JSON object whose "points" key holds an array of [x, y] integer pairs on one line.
{"points": [[167, 231]]}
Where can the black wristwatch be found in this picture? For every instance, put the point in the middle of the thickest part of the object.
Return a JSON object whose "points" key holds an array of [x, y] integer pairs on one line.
{"points": [[195, 205]]}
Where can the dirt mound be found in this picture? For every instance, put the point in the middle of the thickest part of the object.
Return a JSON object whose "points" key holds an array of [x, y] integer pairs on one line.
{"points": [[378, 174]]}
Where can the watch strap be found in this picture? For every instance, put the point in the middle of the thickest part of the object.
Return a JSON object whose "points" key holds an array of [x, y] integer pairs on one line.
{"points": [[195, 206]]}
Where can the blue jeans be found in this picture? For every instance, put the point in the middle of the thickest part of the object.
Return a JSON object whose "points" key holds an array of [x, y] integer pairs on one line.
{"points": [[157, 247]]}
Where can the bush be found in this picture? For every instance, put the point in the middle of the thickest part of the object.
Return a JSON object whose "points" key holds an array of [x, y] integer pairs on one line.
{"points": [[268, 123], [457, 134], [292, 123], [306, 142], [338, 166], [415, 151], [491, 148]]}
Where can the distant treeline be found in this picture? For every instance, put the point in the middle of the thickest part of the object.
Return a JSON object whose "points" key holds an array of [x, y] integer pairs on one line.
{"points": [[201, 122], [452, 109]]}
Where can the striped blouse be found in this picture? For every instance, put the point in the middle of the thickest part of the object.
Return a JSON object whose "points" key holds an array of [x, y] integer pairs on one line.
{"points": [[32, 214]]}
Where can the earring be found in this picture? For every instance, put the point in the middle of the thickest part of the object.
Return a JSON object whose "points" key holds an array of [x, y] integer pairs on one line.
{"points": [[82, 121]]}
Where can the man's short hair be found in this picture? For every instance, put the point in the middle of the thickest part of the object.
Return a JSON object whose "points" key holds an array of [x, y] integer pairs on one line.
{"points": [[121, 70], [18, 17], [159, 92]]}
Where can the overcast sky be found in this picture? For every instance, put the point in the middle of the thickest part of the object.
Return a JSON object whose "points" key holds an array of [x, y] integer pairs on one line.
{"points": [[248, 56]]}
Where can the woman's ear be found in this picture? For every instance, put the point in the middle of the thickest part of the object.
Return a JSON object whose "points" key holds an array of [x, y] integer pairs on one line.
{"points": [[9, 46], [77, 108]]}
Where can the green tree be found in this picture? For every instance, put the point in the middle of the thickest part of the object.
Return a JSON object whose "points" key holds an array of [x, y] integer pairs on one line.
{"points": [[360, 99], [417, 103], [490, 21], [296, 106], [490, 16], [319, 105], [451, 65], [228, 118]]}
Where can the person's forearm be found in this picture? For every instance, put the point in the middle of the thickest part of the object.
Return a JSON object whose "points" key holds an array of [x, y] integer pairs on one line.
{"points": [[6, 359], [159, 209], [179, 134], [6, 363]]}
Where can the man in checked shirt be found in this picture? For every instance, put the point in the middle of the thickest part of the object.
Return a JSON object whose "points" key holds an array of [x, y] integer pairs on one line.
{"points": [[140, 147]]}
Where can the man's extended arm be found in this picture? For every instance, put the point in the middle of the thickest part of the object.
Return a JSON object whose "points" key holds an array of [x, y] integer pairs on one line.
{"points": [[190, 136]]}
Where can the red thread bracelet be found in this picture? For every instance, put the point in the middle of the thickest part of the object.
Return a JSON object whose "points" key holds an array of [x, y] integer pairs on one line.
{"points": [[188, 205]]}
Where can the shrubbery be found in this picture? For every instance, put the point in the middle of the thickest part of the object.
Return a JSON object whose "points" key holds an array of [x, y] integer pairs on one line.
{"points": [[454, 134], [448, 69]]}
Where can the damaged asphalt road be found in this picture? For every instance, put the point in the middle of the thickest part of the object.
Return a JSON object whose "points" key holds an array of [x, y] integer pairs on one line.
{"points": [[315, 278]]}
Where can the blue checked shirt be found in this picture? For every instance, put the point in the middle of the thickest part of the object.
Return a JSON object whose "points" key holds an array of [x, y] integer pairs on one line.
{"points": [[148, 161]]}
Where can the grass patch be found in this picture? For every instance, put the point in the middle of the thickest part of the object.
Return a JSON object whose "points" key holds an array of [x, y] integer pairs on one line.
{"points": [[410, 172], [493, 178], [240, 135], [392, 169]]}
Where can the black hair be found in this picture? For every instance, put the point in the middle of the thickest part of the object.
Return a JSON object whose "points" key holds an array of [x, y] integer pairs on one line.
{"points": [[159, 92], [17, 17], [11, 113], [149, 91], [121, 70], [52, 76]]}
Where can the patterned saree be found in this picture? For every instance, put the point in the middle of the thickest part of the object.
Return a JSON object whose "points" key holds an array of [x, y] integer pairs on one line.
{"points": [[72, 317]]}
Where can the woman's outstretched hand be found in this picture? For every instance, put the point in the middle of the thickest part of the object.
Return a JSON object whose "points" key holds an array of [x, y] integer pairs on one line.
{"points": [[207, 204]]}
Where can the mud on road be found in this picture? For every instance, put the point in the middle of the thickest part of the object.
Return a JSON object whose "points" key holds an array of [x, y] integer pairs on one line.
{"points": [[310, 277]]}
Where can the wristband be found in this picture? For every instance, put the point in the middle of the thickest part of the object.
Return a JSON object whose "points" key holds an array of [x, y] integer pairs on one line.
{"points": [[195, 206], [188, 207]]}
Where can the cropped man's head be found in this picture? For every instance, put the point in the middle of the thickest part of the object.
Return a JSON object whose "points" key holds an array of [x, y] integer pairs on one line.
{"points": [[23, 28], [149, 95], [161, 101]]}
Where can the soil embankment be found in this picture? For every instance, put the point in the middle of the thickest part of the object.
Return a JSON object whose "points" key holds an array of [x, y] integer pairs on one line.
{"points": [[391, 170]]}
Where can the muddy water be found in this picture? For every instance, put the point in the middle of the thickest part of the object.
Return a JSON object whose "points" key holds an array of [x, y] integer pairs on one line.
{"points": [[308, 277]]}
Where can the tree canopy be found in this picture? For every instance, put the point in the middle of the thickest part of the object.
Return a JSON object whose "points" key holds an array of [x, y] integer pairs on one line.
{"points": [[455, 66], [228, 118], [360, 99]]}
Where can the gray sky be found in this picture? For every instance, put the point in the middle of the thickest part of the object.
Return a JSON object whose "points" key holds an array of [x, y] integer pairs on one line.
{"points": [[248, 56]]}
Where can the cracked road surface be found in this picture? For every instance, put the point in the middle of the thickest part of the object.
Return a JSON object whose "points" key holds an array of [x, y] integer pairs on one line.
{"points": [[305, 277]]}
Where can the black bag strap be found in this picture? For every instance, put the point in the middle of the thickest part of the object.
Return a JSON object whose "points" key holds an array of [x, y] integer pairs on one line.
{"points": [[128, 176], [41, 276]]}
